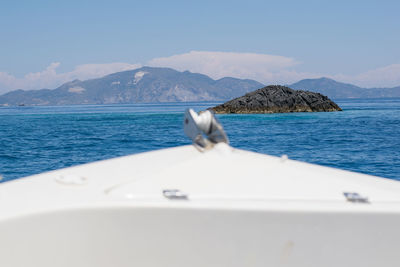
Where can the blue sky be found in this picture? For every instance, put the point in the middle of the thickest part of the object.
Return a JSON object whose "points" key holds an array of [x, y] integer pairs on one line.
{"points": [[45, 43]]}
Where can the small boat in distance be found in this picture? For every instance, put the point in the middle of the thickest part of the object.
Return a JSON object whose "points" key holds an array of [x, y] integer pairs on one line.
{"points": [[206, 204]]}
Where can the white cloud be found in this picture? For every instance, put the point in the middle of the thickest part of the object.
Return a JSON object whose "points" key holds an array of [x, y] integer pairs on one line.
{"points": [[268, 69], [49, 78], [388, 76], [262, 67], [90, 71]]}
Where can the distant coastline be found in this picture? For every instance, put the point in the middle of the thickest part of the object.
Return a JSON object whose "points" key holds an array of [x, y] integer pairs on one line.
{"points": [[165, 85]]}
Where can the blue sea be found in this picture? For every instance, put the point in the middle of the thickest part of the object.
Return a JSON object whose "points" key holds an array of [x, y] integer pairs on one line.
{"points": [[364, 138]]}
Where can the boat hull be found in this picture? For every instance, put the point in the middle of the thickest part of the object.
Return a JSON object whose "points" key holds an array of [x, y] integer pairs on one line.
{"points": [[123, 236]]}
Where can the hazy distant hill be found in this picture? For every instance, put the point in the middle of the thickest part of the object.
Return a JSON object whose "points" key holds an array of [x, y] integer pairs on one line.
{"points": [[136, 86], [149, 84], [334, 89]]}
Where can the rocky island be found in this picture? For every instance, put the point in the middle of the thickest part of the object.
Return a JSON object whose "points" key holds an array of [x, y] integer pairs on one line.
{"points": [[278, 99]]}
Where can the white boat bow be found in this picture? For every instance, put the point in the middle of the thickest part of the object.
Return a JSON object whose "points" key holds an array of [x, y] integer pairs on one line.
{"points": [[206, 204]]}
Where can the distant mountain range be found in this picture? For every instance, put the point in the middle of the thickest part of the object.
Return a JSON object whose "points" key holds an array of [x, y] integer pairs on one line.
{"points": [[149, 84], [337, 90], [136, 86]]}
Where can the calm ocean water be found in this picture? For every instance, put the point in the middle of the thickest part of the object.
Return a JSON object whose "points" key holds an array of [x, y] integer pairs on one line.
{"points": [[365, 137]]}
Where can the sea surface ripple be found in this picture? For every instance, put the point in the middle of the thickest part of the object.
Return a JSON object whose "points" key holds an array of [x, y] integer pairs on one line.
{"points": [[365, 137]]}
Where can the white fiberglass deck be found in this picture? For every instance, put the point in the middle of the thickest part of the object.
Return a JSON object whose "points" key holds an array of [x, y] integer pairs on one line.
{"points": [[238, 209]]}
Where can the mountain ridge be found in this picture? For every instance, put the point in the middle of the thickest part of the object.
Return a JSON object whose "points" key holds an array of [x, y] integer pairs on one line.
{"points": [[152, 84], [142, 85], [338, 90]]}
